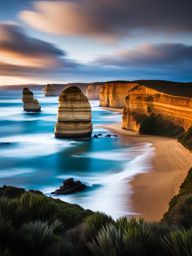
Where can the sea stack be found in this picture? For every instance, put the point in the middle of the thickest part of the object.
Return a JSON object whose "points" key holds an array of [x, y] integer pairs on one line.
{"points": [[74, 115], [29, 102], [50, 90]]}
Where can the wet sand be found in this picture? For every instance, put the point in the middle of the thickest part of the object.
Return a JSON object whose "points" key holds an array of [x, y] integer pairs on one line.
{"points": [[154, 189]]}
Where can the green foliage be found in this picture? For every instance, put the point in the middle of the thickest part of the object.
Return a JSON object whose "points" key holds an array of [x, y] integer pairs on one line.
{"points": [[125, 237], [109, 241], [186, 139], [95, 222], [180, 207], [32, 224], [178, 243]]}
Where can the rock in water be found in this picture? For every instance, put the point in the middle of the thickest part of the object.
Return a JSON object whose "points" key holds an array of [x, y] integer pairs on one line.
{"points": [[74, 115], [69, 186], [29, 103], [50, 90]]}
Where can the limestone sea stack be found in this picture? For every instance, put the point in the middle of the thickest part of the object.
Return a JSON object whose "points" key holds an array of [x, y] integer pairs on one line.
{"points": [[50, 90], [74, 115], [29, 102]]}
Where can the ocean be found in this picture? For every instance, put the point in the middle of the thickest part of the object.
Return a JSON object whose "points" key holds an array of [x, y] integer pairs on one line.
{"points": [[32, 158]]}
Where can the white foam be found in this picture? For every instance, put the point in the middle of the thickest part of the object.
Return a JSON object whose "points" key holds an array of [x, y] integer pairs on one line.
{"points": [[14, 172], [114, 188], [34, 145]]}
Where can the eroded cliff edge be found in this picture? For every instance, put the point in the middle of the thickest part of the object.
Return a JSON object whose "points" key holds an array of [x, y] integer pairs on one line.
{"points": [[151, 111]]}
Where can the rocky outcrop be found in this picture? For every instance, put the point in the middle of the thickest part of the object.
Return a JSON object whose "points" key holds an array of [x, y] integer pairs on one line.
{"points": [[56, 89], [74, 115], [93, 92], [112, 94], [50, 90], [70, 186], [150, 111], [29, 102]]}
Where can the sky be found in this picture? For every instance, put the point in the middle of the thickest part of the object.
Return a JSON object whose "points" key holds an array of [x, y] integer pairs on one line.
{"points": [[45, 41]]}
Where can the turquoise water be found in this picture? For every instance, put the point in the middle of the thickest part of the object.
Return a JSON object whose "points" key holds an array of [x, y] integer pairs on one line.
{"points": [[32, 158]]}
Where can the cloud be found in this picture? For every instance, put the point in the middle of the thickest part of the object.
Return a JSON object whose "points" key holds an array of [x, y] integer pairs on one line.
{"points": [[22, 55], [152, 61], [18, 48], [151, 54], [109, 18]]}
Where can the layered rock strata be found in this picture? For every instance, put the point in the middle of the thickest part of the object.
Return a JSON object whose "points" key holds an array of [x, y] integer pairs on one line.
{"points": [[50, 90], [74, 115], [112, 94], [29, 102], [149, 111], [93, 92]]}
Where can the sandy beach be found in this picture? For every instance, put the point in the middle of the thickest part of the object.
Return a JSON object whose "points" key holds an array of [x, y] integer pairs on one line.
{"points": [[154, 189]]}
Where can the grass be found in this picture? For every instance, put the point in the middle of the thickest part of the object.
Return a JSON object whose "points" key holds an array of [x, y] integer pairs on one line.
{"points": [[32, 224]]}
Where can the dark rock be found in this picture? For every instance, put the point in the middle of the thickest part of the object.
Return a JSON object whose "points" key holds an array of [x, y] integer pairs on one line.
{"points": [[69, 186], [108, 136], [100, 134], [95, 136]]}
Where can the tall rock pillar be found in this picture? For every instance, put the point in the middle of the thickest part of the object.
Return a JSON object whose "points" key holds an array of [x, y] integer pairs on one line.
{"points": [[74, 115]]}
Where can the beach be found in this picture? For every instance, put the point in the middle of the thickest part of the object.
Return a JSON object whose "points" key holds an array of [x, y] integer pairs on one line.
{"points": [[153, 190]]}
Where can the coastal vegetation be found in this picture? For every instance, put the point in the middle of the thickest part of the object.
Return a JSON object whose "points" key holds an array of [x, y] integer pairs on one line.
{"points": [[33, 224], [186, 139]]}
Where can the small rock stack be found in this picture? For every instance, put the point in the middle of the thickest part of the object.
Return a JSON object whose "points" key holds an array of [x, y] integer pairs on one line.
{"points": [[29, 103], [74, 115], [50, 90]]}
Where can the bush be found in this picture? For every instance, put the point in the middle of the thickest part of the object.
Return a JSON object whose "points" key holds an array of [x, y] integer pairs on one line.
{"points": [[180, 206], [186, 139], [178, 243]]}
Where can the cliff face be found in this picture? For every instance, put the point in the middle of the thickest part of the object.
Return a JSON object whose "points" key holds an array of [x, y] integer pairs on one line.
{"points": [[113, 94], [56, 89], [50, 90], [93, 91], [149, 111]]}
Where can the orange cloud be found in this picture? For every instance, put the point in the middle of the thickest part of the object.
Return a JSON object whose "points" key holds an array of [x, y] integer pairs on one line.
{"points": [[109, 18]]}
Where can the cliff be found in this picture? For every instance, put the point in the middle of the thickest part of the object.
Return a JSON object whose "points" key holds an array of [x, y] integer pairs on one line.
{"points": [[112, 94], [56, 89], [149, 111], [93, 91], [51, 90]]}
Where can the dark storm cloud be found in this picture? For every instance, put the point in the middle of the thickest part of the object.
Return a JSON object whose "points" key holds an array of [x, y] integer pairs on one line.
{"points": [[110, 18], [13, 39]]}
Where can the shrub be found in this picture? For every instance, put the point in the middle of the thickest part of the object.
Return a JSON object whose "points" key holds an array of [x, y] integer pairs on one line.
{"points": [[109, 241], [186, 139], [178, 243]]}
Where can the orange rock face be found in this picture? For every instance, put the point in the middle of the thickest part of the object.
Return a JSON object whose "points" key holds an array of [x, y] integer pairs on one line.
{"points": [[93, 92], [113, 94], [160, 107], [169, 111]]}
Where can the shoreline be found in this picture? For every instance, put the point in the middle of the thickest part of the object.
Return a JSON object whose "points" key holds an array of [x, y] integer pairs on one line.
{"points": [[153, 190]]}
